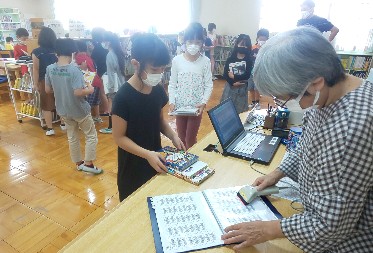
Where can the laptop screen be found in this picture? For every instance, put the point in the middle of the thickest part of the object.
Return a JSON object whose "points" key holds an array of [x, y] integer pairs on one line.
{"points": [[226, 122]]}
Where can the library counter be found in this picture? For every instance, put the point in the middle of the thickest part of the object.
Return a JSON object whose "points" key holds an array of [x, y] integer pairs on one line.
{"points": [[127, 228]]}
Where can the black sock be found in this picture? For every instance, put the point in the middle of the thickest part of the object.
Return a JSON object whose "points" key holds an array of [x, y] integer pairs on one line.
{"points": [[49, 129]]}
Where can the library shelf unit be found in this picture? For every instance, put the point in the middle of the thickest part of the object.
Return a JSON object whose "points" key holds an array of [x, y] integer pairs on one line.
{"points": [[221, 55], [223, 49], [10, 21], [356, 63], [25, 99], [171, 42]]}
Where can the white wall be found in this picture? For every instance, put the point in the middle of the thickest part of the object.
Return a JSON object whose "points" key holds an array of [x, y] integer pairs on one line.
{"points": [[31, 8], [231, 17]]}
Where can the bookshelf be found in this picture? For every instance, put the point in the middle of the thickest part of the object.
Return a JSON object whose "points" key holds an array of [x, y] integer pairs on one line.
{"points": [[356, 63], [221, 55], [169, 39], [10, 21], [222, 51]]}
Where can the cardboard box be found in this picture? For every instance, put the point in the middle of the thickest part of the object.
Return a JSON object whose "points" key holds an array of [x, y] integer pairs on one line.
{"points": [[31, 45], [35, 33], [36, 23]]}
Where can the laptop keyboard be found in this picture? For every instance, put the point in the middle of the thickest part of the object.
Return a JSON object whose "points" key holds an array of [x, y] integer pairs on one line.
{"points": [[249, 143]]}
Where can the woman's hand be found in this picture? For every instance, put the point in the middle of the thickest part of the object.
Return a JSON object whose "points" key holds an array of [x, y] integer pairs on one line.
{"points": [[157, 161], [268, 180], [201, 107], [251, 233], [177, 142], [231, 75]]}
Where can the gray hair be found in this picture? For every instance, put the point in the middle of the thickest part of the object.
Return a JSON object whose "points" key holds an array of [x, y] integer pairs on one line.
{"points": [[291, 60]]}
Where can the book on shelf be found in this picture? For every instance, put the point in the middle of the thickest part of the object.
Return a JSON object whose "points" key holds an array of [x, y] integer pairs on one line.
{"points": [[185, 165], [185, 111], [219, 68], [196, 220]]}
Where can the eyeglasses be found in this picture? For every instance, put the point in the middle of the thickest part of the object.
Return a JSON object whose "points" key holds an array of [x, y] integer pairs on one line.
{"points": [[280, 102]]}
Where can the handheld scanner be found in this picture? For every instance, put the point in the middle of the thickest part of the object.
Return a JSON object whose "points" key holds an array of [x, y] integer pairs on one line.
{"points": [[248, 193]]}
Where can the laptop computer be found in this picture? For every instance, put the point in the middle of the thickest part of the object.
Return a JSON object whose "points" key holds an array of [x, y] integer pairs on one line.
{"points": [[238, 142]]}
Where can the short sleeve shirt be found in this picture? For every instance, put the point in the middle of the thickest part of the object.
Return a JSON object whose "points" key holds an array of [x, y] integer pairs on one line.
{"points": [[142, 114], [46, 57], [64, 80], [321, 24]]}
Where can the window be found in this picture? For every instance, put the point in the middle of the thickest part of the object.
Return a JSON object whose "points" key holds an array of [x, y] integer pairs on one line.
{"points": [[122, 17], [353, 18]]}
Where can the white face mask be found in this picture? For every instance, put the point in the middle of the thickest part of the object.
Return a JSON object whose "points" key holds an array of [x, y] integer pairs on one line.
{"points": [[152, 79], [192, 49], [294, 106], [104, 45], [305, 14], [261, 42]]}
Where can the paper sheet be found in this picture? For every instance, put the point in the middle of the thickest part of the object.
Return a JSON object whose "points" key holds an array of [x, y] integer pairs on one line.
{"points": [[230, 210], [185, 222]]}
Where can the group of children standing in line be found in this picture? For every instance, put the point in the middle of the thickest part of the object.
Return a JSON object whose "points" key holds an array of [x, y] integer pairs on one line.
{"points": [[136, 105]]}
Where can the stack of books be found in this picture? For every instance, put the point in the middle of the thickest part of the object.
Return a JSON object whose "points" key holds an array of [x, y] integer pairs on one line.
{"points": [[186, 166]]}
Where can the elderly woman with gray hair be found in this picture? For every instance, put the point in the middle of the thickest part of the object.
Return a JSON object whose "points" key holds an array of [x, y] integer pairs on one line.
{"points": [[333, 162]]}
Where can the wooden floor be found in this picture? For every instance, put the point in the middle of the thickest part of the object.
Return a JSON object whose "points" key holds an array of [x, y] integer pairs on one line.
{"points": [[44, 201]]}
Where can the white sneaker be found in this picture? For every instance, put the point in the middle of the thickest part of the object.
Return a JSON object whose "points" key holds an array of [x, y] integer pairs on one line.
{"points": [[85, 168], [98, 120], [105, 131], [50, 132], [63, 127], [257, 107]]}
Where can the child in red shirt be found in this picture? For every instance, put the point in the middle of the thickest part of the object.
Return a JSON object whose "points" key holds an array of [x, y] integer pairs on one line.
{"points": [[21, 48], [85, 62]]}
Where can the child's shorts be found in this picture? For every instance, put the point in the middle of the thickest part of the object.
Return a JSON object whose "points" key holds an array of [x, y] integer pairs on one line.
{"points": [[251, 84], [47, 102], [94, 98]]}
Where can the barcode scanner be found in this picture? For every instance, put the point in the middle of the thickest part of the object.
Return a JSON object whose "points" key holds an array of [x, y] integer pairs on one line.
{"points": [[248, 193]]}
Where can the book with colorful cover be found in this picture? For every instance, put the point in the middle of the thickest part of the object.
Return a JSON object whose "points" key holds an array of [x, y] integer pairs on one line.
{"points": [[88, 76], [185, 165]]}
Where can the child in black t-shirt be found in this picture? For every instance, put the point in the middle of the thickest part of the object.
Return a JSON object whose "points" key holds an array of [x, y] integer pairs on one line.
{"points": [[237, 71], [138, 116]]}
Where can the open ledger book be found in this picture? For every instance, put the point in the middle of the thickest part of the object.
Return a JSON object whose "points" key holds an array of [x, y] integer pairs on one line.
{"points": [[196, 220]]}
